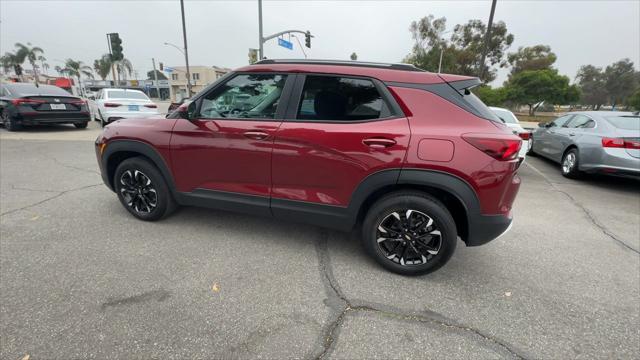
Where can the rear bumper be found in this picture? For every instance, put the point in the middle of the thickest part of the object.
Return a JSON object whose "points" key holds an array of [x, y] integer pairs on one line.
{"points": [[52, 118], [110, 116], [484, 228], [614, 161]]}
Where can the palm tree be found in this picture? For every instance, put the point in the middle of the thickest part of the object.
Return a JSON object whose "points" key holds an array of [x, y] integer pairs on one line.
{"points": [[102, 66], [77, 68], [8, 62], [58, 69], [123, 65], [42, 60], [29, 53]]}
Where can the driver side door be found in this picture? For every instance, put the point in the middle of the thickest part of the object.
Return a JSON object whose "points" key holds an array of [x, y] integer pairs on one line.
{"points": [[223, 152]]}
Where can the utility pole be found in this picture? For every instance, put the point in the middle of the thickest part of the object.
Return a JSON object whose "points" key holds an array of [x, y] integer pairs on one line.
{"points": [[155, 76], [487, 38], [260, 39], [186, 53]]}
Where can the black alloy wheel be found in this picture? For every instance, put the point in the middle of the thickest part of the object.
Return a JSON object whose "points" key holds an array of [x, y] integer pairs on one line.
{"points": [[409, 232]]}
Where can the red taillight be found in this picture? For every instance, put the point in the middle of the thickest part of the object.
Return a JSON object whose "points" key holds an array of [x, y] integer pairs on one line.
{"points": [[151, 106], [500, 147], [111, 105], [78, 102], [525, 135], [26, 101], [620, 143]]}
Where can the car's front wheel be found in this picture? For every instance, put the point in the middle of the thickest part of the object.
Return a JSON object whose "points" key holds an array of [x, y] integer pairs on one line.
{"points": [[409, 233], [82, 125], [142, 189]]}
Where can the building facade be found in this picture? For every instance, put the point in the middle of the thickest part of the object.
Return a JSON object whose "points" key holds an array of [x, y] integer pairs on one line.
{"points": [[201, 76]]}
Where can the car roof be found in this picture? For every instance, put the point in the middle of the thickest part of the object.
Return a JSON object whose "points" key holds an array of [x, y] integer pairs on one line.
{"points": [[601, 114], [498, 108], [29, 89], [121, 89], [386, 72]]}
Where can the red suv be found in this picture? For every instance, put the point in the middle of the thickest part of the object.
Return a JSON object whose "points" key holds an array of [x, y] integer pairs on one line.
{"points": [[413, 158]]}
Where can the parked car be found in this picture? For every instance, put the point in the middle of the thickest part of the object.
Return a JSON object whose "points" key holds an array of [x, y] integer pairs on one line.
{"points": [[512, 122], [115, 104], [606, 142], [411, 158], [28, 104]]}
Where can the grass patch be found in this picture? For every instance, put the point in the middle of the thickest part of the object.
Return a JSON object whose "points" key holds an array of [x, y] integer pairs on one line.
{"points": [[545, 118]]}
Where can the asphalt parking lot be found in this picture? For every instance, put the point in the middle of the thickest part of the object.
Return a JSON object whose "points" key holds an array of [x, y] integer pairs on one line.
{"points": [[81, 278]]}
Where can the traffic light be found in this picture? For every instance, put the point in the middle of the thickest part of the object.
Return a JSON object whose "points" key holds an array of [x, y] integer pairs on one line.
{"points": [[116, 47], [161, 66], [307, 39]]}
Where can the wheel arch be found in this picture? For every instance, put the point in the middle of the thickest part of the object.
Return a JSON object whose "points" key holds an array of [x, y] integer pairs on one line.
{"points": [[120, 150], [454, 193]]}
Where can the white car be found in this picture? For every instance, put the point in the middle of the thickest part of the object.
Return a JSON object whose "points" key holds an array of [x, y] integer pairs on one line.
{"points": [[512, 122], [115, 104]]}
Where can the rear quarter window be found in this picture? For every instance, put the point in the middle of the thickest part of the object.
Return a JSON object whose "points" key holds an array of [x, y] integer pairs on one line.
{"points": [[474, 102]]}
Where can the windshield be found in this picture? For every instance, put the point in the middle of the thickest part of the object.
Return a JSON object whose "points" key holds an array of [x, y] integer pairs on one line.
{"points": [[506, 116], [625, 122], [123, 94]]}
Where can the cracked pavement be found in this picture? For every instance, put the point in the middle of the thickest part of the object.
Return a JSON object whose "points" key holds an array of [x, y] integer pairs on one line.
{"points": [[80, 278]]}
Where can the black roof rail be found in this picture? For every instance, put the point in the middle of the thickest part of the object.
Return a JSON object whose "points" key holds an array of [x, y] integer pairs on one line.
{"points": [[404, 67]]}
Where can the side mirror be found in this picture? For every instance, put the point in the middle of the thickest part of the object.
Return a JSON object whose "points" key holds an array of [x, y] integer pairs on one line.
{"points": [[187, 110], [542, 125]]}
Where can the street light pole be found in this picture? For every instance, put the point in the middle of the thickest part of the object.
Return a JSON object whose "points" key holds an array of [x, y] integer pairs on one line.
{"points": [[155, 77], [260, 38], [487, 38], [186, 53]]}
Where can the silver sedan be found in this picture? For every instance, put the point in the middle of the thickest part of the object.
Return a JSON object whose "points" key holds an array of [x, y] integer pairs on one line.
{"points": [[606, 142]]}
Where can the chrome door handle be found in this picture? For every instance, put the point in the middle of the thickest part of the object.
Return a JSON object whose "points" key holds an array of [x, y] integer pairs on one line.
{"points": [[378, 143], [256, 135]]}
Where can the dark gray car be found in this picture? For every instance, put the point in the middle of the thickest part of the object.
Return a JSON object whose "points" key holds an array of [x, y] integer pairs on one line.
{"points": [[592, 141]]}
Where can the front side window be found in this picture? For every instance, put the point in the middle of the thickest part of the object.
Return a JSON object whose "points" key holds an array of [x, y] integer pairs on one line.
{"points": [[340, 99], [561, 121], [245, 96]]}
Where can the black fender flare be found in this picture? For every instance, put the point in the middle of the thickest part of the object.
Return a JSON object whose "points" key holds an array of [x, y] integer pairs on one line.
{"points": [[141, 148], [415, 177]]}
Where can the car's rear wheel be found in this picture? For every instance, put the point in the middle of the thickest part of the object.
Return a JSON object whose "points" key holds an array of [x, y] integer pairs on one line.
{"points": [[142, 190], [9, 123], [570, 164], [82, 125], [409, 233]]}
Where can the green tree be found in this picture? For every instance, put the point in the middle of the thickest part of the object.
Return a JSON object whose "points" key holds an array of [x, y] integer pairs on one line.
{"points": [[30, 54], [538, 57], [462, 53], [124, 67], [634, 100], [102, 66], [159, 74], [592, 83], [354, 56], [532, 87], [77, 68], [491, 96], [620, 81], [43, 65]]}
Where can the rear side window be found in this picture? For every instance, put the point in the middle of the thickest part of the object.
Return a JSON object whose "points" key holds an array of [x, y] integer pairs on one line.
{"points": [[581, 122], [625, 122], [341, 99], [474, 102], [506, 115]]}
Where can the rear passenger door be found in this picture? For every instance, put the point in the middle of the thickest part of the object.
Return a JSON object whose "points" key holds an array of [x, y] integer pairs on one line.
{"points": [[337, 130]]}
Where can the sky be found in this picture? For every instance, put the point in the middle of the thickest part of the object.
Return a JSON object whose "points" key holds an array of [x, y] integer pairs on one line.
{"points": [[220, 32]]}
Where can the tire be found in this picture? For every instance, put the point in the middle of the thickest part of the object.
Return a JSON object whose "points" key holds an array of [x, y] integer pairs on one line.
{"points": [[9, 123], [427, 215], [137, 177], [569, 167], [82, 125]]}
